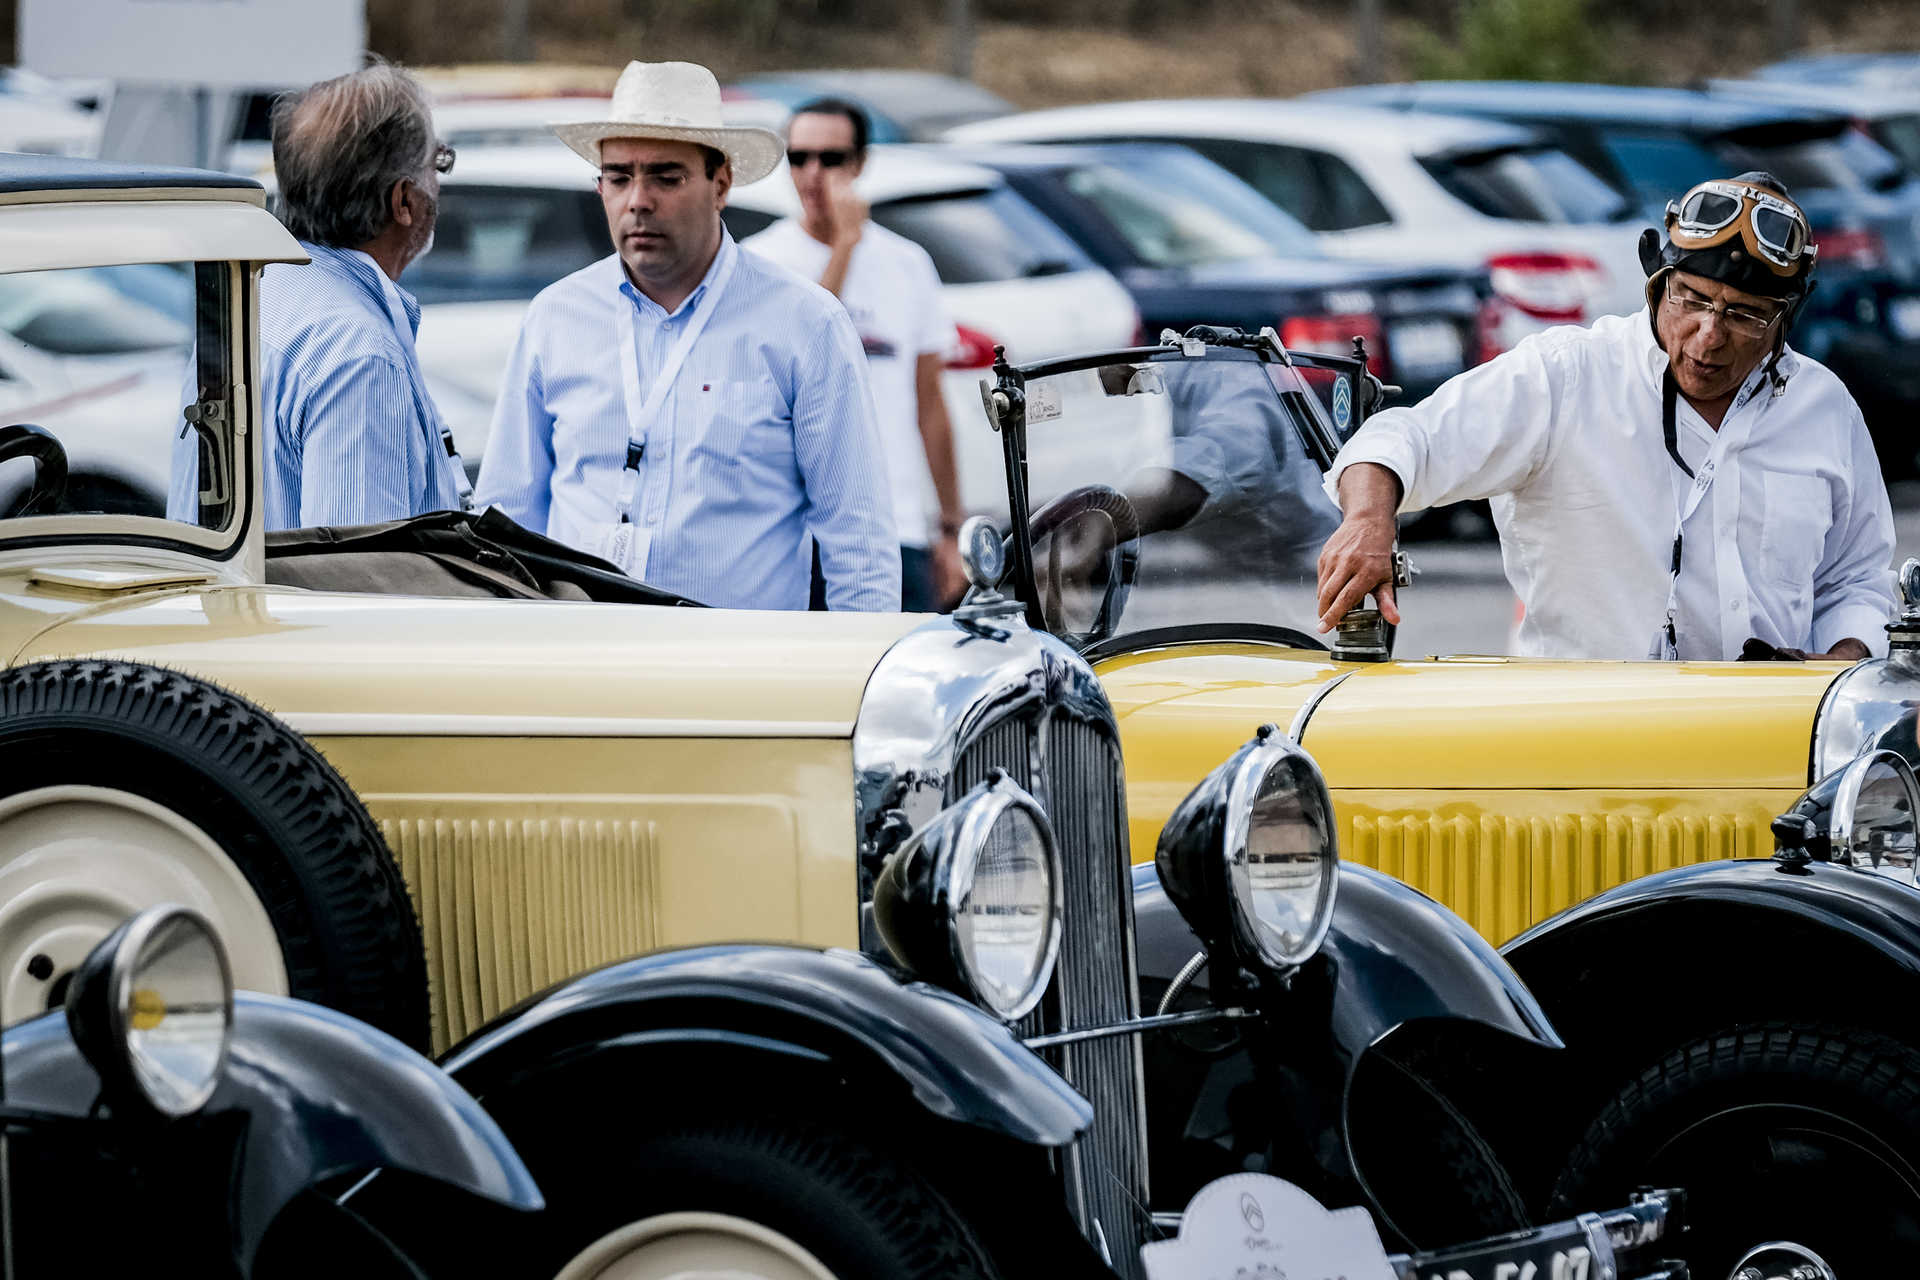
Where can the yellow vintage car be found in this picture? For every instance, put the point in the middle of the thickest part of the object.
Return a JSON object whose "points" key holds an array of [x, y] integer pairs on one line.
{"points": [[1612, 824], [779, 945]]}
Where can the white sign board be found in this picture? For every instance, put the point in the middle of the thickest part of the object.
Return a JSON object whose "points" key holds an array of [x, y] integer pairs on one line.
{"points": [[1249, 1224], [212, 43]]}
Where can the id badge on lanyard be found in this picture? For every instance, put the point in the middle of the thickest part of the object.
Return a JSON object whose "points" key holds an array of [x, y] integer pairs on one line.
{"points": [[624, 542], [1665, 647]]}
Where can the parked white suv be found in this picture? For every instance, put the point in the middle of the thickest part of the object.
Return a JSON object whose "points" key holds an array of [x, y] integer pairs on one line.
{"points": [[1391, 185]]}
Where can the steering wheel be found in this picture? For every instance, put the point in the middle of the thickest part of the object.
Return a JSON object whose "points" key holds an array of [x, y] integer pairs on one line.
{"points": [[1122, 555], [49, 485]]}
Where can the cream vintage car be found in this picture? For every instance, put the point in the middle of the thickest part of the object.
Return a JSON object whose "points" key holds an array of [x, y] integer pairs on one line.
{"points": [[780, 945], [1742, 1018]]}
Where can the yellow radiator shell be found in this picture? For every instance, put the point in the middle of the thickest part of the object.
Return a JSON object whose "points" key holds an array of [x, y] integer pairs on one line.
{"points": [[1507, 789]]}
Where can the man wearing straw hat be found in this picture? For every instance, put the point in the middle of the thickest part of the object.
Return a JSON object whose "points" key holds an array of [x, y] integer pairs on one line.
{"points": [[695, 414]]}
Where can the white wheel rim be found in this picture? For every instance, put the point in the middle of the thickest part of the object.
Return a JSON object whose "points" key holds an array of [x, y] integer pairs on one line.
{"points": [[75, 862], [694, 1246]]}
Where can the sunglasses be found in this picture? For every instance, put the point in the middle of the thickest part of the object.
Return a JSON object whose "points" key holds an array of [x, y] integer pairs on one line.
{"points": [[443, 159], [828, 159]]}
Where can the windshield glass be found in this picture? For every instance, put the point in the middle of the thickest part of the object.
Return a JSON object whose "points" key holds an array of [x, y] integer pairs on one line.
{"points": [[1175, 492], [96, 366], [1532, 184]]}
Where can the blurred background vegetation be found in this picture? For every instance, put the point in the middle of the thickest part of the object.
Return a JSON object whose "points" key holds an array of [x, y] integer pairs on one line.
{"points": [[1041, 52]]}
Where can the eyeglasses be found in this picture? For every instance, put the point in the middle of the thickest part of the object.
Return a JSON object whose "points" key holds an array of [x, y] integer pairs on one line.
{"points": [[442, 158], [828, 159], [1745, 321]]}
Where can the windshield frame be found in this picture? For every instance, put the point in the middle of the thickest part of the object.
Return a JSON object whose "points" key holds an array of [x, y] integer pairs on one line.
{"points": [[1005, 395]]}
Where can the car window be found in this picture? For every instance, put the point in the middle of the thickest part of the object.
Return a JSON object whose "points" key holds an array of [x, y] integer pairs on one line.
{"points": [[1320, 190], [1847, 161], [1661, 166], [742, 223], [100, 311], [1529, 184], [1350, 201], [1179, 171], [1901, 136], [1165, 225], [105, 364], [497, 242], [976, 237]]}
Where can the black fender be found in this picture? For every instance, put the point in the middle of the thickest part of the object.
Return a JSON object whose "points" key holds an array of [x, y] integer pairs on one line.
{"points": [[1632, 973], [306, 1093], [1392, 957], [837, 1008]]}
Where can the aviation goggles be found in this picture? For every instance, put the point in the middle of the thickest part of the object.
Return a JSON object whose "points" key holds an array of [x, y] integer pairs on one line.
{"points": [[1771, 226]]}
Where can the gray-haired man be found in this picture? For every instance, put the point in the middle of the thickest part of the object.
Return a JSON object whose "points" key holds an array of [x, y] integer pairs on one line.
{"points": [[352, 436]]}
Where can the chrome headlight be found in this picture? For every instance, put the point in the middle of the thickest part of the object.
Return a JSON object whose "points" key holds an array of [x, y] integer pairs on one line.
{"points": [[151, 1007], [1249, 857], [1862, 816], [972, 900]]}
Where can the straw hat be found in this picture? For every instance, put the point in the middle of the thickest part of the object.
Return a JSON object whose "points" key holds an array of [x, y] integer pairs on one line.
{"points": [[676, 102]]}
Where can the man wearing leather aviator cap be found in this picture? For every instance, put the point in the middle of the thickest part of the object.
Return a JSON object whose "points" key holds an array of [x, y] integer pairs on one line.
{"points": [[1674, 484]]}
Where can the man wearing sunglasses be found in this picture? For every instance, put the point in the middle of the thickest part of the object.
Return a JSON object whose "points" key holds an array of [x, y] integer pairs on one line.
{"points": [[890, 288], [1674, 484], [352, 434]]}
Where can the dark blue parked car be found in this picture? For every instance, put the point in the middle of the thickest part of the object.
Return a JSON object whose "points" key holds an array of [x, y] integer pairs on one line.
{"points": [[1864, 317]]}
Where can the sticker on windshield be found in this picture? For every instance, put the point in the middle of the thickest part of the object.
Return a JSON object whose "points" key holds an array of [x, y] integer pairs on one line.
{"points": [[1043, 401], [1342, 405]]}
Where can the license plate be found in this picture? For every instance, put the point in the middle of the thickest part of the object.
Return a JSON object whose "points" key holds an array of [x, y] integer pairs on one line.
{"points": [[1903, 318], [1563, 1251], [1427, 348]]}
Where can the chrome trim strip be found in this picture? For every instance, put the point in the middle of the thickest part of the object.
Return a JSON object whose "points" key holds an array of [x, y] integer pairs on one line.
{"points": [[1138, 1026], [357, 724], [1311, 705]]}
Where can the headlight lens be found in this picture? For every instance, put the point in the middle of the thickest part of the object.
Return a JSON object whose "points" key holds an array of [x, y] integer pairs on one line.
{"points": [[1003, 920], [1874, 810], [151, 1007], [1250, 857], [1280, 854], [178, 1006], [971, 900]]}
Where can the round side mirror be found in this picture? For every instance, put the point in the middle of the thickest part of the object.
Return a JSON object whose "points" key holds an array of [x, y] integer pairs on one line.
{"points": [[151, 1007]]}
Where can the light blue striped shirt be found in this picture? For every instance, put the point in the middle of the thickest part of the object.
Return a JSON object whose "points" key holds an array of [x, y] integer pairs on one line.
{"points": [[766, 436], [352, 436]]}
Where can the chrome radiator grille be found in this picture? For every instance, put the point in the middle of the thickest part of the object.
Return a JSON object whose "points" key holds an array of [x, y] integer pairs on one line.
{"points": [[1095, 982]]}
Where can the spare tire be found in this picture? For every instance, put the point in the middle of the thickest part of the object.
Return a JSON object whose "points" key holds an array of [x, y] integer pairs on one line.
{"points": [[123, 785]]}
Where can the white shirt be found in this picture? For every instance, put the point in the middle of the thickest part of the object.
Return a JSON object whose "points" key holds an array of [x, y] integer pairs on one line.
{"points": [[1793, 543], [893, 294]]}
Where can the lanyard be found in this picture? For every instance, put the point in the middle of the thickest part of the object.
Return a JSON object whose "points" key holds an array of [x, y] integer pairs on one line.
{"points": [[403, 329], [1664, 641], [641, 413]]}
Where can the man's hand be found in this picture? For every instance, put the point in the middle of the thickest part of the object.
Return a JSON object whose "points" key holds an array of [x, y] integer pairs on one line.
{"points": [[849, 210], [1848, 650], [949, 578], [1358, 558]]}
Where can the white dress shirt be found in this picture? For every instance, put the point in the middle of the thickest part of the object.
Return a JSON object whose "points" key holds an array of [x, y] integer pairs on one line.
{"points": [[1793, 543]]}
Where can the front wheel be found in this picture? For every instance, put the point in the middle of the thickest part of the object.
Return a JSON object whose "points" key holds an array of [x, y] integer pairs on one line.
{"points": [[774, 1198], [1783, 1132]]}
